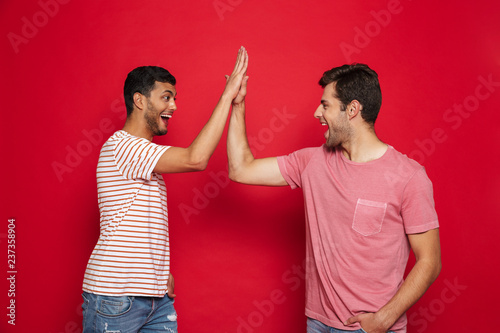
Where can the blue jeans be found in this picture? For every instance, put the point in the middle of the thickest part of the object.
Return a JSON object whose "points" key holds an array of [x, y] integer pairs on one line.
{"points": [[128, 314], [314, 326]]}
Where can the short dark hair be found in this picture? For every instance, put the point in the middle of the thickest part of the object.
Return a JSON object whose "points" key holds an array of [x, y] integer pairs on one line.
{"points": [[356, 82], [142, 80]]}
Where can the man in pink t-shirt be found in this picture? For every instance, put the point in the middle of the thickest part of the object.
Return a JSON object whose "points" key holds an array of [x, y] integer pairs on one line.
{"points": [[366, 206]]}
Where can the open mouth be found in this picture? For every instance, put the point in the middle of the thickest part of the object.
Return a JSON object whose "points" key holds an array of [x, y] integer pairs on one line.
{"points": [[325, 124], [165, 118]]}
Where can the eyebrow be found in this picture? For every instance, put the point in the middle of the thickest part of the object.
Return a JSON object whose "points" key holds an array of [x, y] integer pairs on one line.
{"points": [[169, 91], [324, 101]]}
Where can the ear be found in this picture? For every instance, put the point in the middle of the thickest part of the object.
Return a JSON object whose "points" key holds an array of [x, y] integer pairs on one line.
{"points": [[354, 108], [139, 101]]}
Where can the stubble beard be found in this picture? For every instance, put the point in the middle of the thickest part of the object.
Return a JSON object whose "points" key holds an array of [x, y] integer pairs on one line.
{"points": [[151, 115], [339, 135]]}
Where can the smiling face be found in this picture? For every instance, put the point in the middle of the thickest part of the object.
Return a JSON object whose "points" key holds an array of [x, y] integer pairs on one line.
{"points": [[330, 114], [160, 108]]}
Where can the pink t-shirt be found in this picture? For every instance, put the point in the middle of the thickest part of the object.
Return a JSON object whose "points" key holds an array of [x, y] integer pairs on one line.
{"points": [[357, 216]]}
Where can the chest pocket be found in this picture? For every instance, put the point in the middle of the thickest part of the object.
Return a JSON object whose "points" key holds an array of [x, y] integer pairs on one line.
{"points": [[369, 217]]}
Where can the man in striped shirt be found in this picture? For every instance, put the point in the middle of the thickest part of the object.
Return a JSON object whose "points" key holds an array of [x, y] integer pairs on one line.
{"points": [[128, 286]]}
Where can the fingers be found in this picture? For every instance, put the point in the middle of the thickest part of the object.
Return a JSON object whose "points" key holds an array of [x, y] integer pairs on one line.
{"points": [[234, 82], [238, 60], [241, 62], [171, 286], [245, 62], [351, 320], [245, 65], [244, 82]]}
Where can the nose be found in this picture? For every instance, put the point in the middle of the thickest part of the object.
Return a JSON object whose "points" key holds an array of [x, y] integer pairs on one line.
{"points": [[173, 106], [319, 112]]}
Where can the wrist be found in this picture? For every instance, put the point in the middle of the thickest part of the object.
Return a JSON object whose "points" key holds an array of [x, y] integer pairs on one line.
{"points": [[385, 318], [239, 105], [225, 98]]}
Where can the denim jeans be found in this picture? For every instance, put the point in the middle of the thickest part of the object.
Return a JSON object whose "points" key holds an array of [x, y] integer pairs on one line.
{"points": [[314, 326], [128, 314]]}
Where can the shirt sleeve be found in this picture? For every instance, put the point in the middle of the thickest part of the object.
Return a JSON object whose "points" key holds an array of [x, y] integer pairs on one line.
{"points": [[292, 165], [137, 157], [418, 210]]}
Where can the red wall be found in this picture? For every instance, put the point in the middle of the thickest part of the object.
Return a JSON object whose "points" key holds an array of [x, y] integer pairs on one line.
{"points": [[238, 250]]}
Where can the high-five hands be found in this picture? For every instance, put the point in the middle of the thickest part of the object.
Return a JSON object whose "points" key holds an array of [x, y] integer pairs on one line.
{"points": [[236, 82], [240, 98]]}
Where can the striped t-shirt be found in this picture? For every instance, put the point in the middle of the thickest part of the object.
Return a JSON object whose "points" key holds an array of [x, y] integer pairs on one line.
{"points": [[132, 255]]}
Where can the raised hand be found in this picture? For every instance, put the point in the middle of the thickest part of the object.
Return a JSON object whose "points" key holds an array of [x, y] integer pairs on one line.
{"points": [[241, 93], [235, 80]]}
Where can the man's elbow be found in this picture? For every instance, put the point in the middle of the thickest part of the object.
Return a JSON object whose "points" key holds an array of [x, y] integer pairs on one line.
{"points": [[198, 162], [434, 269], [438, 268], [199, 165], [233, 175], [236, 174], [437, 263]]}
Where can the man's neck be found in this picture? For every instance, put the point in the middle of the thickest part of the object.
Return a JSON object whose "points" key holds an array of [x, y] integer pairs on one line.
{"points": [[134, 128], [363, 148]]}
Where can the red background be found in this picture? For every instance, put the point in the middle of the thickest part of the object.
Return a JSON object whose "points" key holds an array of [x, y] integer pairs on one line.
{"points": [[236, 249]]}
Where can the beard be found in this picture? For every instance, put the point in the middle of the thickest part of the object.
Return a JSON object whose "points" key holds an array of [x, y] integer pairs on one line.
{"points": [[338, 135], [333, 140], [151, 115]]}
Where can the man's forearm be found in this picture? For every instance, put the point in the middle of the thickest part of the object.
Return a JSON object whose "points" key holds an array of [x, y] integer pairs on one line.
{"points": [[417, 282], [203, 146], [426, 269], [238, 149]]}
